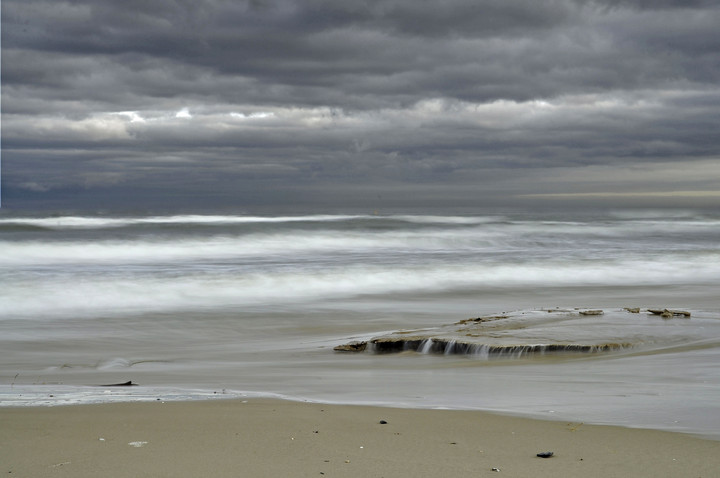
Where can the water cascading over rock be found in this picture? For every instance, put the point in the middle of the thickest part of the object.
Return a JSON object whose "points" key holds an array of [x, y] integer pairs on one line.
{"points": [[520, 333]]}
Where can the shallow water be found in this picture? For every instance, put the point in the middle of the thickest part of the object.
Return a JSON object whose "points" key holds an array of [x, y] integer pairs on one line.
{"points": [[209, 306]]}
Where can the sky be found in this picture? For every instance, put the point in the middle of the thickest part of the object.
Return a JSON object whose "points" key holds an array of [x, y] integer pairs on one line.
{"points": [[369, 104]]}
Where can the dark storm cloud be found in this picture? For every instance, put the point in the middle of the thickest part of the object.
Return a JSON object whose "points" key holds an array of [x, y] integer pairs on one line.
{"points": [[496, 95]]}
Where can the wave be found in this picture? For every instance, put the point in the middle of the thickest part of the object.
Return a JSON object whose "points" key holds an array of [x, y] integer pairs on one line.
{"points": [[137, 292], [524, 241], [631, 227], [85, 222], [461, 220], [248, 246], [88, 222], [336, 256]]}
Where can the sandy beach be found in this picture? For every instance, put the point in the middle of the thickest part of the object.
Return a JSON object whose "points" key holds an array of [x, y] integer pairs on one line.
{"points": [[271, 438]]}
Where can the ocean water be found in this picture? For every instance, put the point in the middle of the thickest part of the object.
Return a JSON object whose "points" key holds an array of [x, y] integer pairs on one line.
{"points": [[215, 306]]}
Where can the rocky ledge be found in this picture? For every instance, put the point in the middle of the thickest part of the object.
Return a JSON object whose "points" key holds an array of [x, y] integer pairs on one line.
{"points": [[517, 333]]}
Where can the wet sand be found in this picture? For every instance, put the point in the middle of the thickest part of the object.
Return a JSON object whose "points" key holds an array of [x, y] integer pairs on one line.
{"points": [[271, 438]]}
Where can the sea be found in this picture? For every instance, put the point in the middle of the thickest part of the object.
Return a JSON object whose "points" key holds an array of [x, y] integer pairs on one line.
{"points": [[214, 306]]}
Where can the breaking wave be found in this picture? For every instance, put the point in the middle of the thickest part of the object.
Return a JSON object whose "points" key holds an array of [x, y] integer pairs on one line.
{"points": [[86, 222], [90, 265], [134, 291]]}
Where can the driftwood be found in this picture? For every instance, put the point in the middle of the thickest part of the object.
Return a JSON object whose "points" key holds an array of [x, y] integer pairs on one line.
{"points": [[124, 384]]}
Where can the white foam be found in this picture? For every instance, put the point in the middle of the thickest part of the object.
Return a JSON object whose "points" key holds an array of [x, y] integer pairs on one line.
{"points": [[89, 222], [162, 249], [120, 293], [527, 239]]}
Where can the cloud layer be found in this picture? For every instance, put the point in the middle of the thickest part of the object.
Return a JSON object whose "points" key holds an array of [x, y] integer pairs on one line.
{"points": [[269, 101]]}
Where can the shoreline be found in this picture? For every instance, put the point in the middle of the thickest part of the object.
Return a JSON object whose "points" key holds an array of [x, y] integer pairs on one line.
{"points": [[272, 437], [58, 396]]}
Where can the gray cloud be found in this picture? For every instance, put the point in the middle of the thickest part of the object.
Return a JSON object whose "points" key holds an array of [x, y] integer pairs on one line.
{"points": [[211, 97]]}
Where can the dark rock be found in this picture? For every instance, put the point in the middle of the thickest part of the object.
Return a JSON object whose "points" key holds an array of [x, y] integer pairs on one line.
{"points": [[383, 422], [351, 347], [668, 313], [477, 320], [394, 344], [124, 384], [545, 454], [441, 345], [483, 337]]}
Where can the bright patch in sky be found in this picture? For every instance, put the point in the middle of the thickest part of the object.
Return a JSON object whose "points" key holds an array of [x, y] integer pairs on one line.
{"points": [[183, 113], [132, 116], [260, 114]]}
